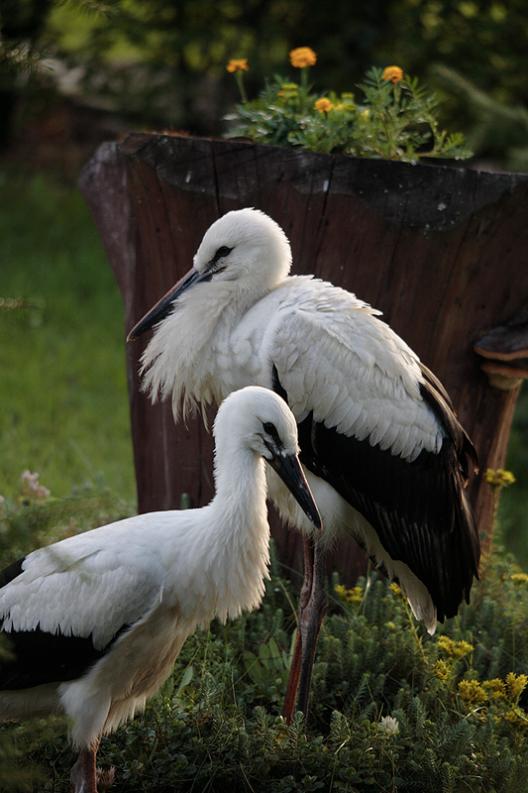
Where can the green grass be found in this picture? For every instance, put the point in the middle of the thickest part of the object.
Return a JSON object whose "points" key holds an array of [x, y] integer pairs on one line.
{"points": [[63, 384]]}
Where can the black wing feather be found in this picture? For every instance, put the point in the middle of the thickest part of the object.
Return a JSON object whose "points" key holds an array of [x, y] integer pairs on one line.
{"points": [[419, 509], [37, 657]]}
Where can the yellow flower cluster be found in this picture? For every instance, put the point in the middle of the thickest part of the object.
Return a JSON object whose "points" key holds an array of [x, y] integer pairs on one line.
{"points": [[393, 74], [301, 57], [324, 105], [519, 578], [395, 588], [442, 670], [515, 685], [453, 648], [516, 716], [354, 595], [472, 692], [237, 65], [499, 477], [495, 688]]}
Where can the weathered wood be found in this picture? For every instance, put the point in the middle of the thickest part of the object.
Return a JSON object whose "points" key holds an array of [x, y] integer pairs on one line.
{"points": [[505, 352], [441, 251]]}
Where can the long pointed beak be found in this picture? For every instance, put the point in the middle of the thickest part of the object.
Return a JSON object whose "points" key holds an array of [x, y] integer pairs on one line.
{"points": [[288, 467], [164, 305]]}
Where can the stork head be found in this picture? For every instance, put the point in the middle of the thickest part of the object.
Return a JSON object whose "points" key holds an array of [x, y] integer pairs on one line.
{"points": [[245, 251], [260, 420]]}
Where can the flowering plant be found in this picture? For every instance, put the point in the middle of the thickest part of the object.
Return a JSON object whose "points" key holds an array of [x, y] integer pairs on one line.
{"points": [[394, 119]]}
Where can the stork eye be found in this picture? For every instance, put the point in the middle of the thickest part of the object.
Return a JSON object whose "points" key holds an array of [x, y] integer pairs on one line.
{"points": [[271, 431], [221, 252]]}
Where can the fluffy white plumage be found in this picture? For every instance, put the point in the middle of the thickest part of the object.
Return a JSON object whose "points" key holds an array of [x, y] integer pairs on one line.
{"points": [[316, 334], [150, 580], [245, 317]]}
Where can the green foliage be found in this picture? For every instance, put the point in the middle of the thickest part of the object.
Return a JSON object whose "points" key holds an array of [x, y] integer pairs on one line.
{"points": [[163, 63], [63, 385], [498, 128], [26, 524], [393, 121], [28, 520], [385, 717]]}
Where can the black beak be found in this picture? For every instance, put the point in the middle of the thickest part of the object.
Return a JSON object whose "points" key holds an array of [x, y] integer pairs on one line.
{"points": [[288, 467], [164, 306]]}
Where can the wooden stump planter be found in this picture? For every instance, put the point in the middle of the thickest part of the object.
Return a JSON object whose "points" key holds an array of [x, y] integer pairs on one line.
{"points": [[441, 251]]}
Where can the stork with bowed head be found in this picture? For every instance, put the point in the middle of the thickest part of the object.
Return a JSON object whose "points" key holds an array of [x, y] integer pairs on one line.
{"points": [[383, 451], [96, 621]]}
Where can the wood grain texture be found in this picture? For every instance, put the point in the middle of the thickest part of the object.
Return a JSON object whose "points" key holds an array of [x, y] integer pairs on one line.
{"points": [[440, 250]]}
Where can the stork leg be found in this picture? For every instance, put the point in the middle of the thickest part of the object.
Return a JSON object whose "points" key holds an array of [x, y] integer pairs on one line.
{"points": [[312, 607], [83, 776], [295, 668]]}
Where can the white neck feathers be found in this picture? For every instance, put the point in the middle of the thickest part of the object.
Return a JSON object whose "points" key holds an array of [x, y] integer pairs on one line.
{"points": [[179, 361], [238, 547]]}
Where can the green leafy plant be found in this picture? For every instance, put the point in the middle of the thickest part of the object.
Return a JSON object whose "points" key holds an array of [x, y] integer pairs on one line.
{"points": [[395, 118]]}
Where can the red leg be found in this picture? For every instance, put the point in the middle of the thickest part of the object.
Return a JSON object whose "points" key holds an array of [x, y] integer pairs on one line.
{"points": [[312, 604], [83, 773], [293, 681], [295, 669], [311, 618]]}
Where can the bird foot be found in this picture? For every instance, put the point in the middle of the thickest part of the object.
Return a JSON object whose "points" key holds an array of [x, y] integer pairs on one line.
{"points": [[105, 778]]}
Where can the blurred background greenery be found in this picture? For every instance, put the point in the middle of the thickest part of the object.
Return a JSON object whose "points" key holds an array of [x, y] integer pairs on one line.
{"points": [[162, 63]]}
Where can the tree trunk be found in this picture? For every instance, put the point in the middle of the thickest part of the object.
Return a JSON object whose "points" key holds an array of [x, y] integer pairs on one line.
{"points": [[440, 250]]}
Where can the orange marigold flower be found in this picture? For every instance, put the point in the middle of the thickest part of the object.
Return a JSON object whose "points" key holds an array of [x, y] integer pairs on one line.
{"points": [[237, 65], [302, 57], [394, 74], [323, 105]]}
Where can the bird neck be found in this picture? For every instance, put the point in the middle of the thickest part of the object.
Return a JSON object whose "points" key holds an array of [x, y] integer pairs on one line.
{"points": [[182, 357], [239, 548], [240, 482]]}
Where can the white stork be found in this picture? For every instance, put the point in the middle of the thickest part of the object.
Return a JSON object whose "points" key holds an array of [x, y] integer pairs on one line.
{"points": [[96, 621], [382, 449]]}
